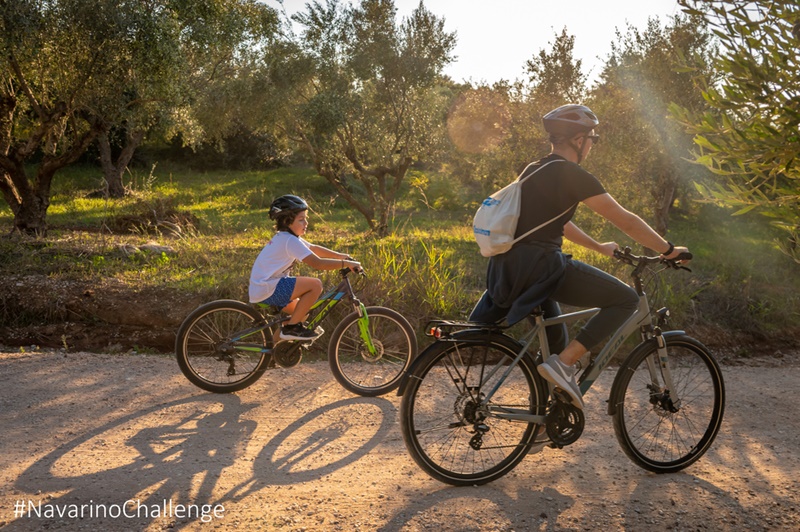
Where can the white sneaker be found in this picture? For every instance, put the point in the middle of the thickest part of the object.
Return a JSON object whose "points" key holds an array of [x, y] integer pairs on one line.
{"points": [[563, 376]]}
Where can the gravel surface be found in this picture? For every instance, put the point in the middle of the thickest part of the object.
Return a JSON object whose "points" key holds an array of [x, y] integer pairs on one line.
{"points": [[84, 433]]}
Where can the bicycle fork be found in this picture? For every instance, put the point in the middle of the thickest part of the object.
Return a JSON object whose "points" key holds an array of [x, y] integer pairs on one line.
{"points": [[666, 397], [363, 328]]}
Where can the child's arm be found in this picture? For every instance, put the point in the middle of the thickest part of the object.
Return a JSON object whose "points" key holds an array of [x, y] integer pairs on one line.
{"points": [[330, 263], [326, 253]]}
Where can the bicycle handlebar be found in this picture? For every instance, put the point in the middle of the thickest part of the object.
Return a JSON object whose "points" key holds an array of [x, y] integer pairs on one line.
{"points": [[640, 260], [345, 271]]}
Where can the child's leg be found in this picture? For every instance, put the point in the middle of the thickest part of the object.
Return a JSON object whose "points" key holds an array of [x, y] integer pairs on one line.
{"points": [[306, 292]]}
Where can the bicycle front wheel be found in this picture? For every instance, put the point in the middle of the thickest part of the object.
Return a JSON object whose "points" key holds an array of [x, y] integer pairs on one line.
{"points": [[370, 373], [219, 346], [665, 430], [449, 428]]}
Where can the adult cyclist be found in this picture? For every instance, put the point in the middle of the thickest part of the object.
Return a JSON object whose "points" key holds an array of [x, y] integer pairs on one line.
{"points": [[535, 271]]}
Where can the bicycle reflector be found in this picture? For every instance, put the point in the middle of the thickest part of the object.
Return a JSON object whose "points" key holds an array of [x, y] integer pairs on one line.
{"points": [[436, 332]]}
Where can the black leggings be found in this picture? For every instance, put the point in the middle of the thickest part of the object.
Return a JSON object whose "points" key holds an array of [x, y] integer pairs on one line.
{"points": [[586, 286]]}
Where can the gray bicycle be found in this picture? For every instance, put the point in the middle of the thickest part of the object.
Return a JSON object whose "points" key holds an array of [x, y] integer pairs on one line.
{"points": [[474, 405]]}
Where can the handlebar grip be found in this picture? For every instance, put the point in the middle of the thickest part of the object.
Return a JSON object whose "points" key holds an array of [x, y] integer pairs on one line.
{"points": [[684, 256]]}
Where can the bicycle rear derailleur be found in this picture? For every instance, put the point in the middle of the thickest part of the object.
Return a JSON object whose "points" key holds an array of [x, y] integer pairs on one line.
{"points": [[564, 422]]}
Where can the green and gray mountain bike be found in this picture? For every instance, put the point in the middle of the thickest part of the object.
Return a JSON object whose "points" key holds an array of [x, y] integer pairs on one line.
{"points": [[226, 345], [474, 404]]}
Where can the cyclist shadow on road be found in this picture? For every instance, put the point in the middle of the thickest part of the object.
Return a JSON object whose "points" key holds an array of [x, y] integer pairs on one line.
{"points": [[190, 448], [324, 440], [487, 507], [179, 461]]}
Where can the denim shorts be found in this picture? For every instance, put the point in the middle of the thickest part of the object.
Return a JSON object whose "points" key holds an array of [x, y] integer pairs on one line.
{"points": [[283, 293]]}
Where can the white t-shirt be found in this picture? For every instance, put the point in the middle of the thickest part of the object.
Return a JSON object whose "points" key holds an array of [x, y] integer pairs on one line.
{"points": [[274, 262]]}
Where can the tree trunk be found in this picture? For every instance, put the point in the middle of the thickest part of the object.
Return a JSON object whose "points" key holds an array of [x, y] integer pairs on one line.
{"points": [[31, 210], [9, 193], [35, 197], [664, 201], [113, 171]]}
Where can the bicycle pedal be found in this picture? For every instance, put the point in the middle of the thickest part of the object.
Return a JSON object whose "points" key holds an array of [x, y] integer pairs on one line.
{"points": [[562, 396]]}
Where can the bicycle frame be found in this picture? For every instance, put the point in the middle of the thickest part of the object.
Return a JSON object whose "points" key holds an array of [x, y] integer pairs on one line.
{"points": [[320, 310], [640, 320]]}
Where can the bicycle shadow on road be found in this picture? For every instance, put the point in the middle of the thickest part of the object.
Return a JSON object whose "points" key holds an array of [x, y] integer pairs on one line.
{"points": [[179, 461], [487, 507], [321, 442]]}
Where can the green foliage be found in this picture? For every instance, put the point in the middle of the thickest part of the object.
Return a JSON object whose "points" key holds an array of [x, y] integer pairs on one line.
{"points": [[71, 70], [357, 92], [749, 136], [555, 76], [495, 131], [644, 74], [427, 267]]}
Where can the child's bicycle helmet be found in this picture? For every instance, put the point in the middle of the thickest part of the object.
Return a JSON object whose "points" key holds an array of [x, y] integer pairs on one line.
{"points": [[288, 204], [569, 120]]}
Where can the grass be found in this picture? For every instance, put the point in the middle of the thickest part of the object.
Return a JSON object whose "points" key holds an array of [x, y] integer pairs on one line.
{"points": [[428, 267]]}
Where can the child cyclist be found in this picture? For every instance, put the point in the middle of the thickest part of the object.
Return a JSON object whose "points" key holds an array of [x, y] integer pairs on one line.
{"points": [[270, 282]]}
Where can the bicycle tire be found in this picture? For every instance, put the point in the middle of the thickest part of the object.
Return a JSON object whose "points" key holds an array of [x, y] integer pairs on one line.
{"points": [[649, 432], [371, 375], [439, 420], [204, 358]]}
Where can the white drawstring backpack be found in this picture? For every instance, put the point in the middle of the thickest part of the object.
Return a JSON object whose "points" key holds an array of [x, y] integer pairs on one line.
{"points": [[495, 222]]}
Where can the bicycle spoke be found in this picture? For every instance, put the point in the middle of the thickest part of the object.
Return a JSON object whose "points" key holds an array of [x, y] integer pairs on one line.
{"points": [[457, 435], [377, 371], [666, 430], [206, 356]]}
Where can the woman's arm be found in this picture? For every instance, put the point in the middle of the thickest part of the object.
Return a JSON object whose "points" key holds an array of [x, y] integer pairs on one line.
{"points": [[630, 224], [573, 233]]}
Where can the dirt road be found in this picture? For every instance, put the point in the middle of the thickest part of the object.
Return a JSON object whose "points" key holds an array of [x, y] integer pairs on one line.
{"points": [[124, 442]]}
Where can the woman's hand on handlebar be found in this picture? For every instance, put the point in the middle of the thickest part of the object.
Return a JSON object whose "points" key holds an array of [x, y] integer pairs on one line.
{"points": [[608, 248], [677, 252]]}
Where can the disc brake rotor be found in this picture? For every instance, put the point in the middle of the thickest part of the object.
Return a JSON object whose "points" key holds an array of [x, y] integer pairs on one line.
{"points": [[379, 350]]}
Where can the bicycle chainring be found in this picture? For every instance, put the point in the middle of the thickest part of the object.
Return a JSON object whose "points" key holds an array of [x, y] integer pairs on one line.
{"points": [[287, 354], [564, 423]]}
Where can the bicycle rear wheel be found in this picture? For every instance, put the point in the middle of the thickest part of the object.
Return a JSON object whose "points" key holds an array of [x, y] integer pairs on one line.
{"points": [[209, 351], [449, 433], [655, 432], [369, 374]]}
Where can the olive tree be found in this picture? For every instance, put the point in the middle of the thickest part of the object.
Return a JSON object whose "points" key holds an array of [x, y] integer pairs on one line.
{"points": [[750, 135], [74, 69], [642, 157], [357, 91]]}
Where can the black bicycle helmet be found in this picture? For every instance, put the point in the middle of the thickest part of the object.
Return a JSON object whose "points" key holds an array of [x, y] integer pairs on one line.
{"points": [[569, 120], [288, 204]]}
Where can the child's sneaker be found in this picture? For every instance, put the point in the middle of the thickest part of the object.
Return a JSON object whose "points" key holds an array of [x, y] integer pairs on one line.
{"points": [[562, 376], [296, 331]]}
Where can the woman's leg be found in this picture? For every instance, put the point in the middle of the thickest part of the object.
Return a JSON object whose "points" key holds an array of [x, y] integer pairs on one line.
{"points": [[557, 335], [586, 286]]}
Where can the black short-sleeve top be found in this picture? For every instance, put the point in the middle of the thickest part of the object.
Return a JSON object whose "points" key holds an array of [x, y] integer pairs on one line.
{"points": [[556, 188]]}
